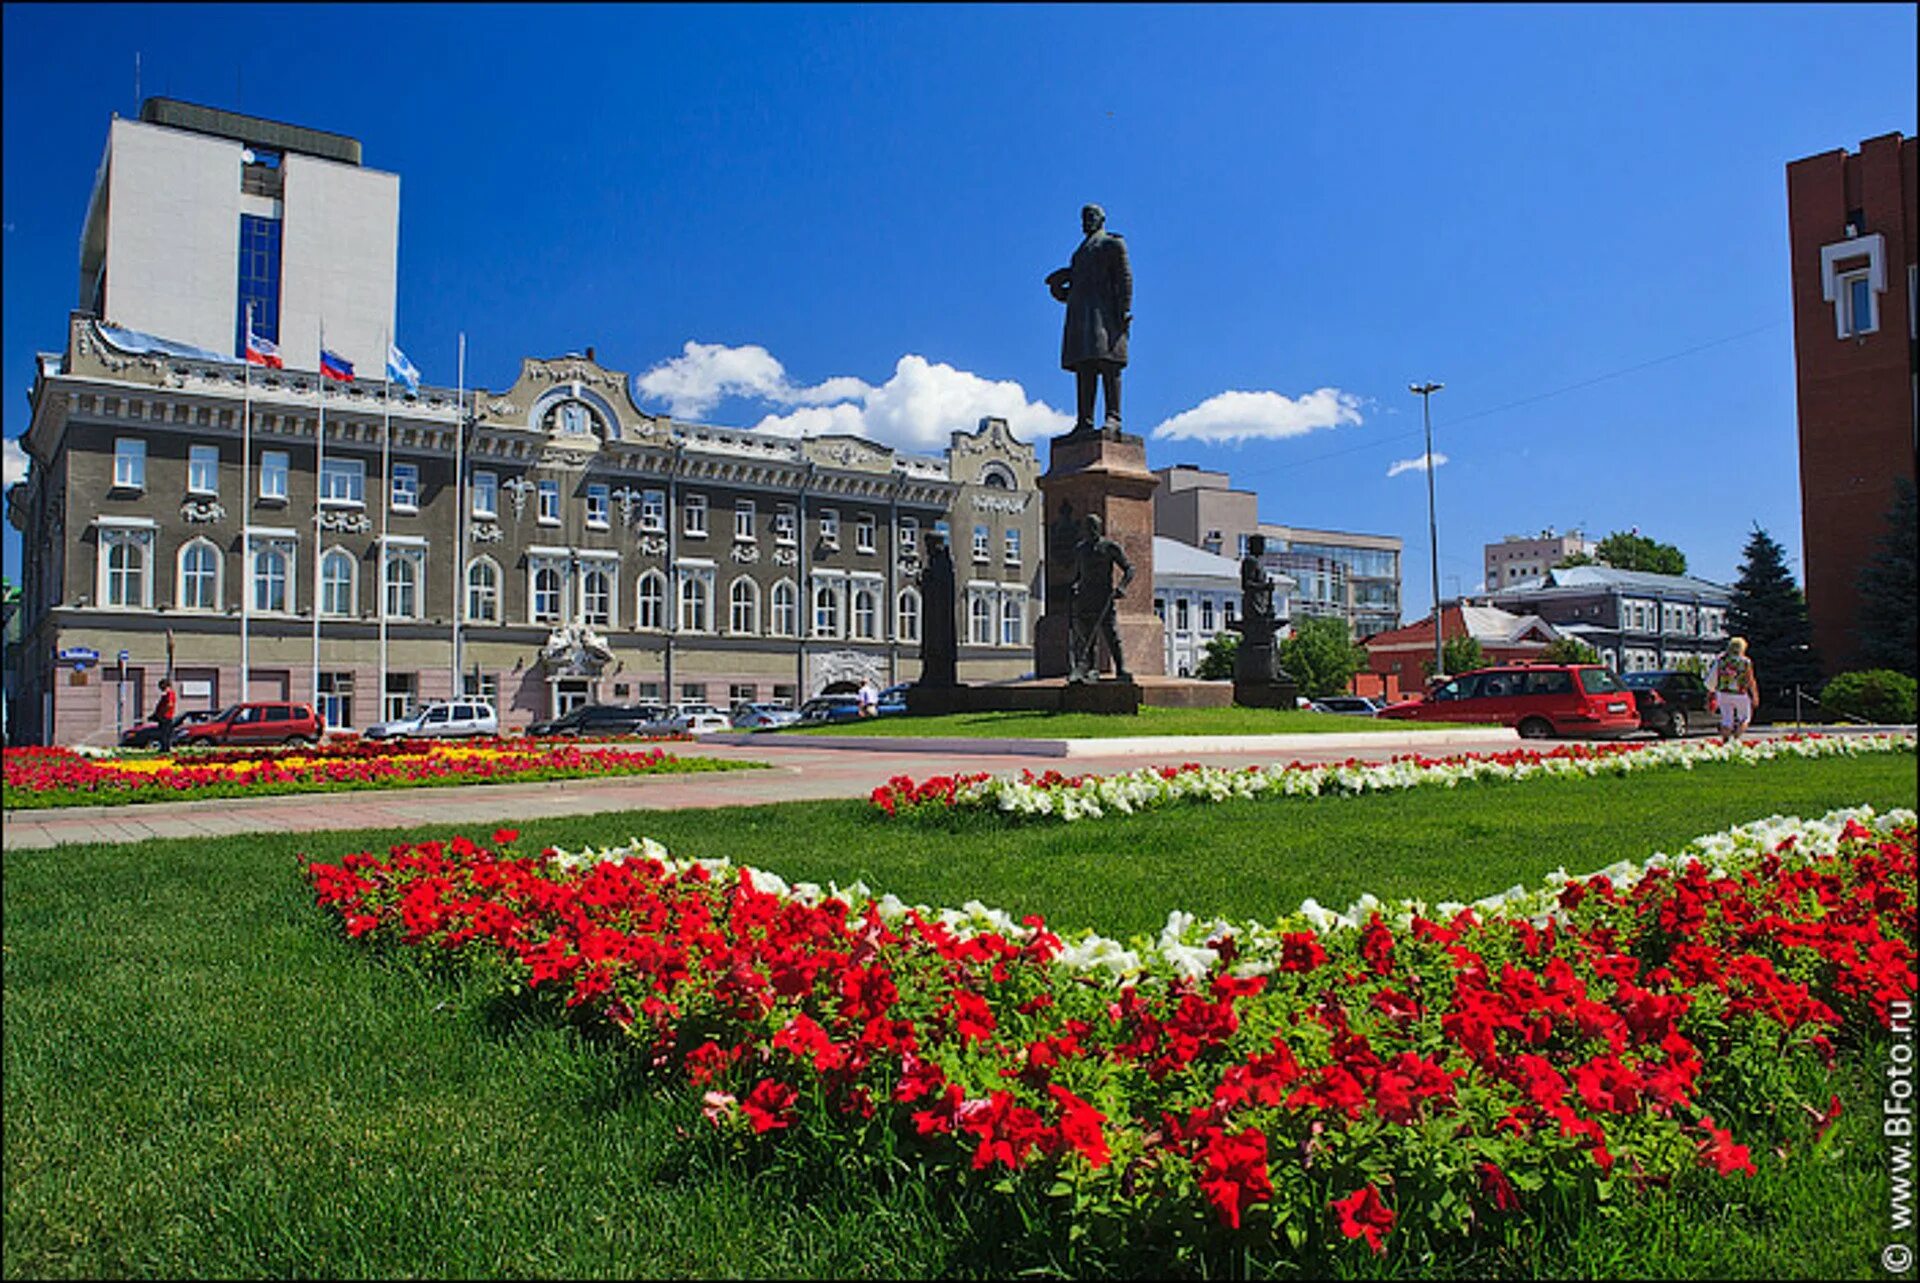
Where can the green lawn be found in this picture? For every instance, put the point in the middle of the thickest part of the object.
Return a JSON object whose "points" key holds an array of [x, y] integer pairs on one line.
{"points": [[203, 1079], [1148, 721]]}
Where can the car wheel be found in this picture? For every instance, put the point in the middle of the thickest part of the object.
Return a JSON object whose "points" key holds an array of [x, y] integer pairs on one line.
{"points": [[1670, 726], [1535, 728]]}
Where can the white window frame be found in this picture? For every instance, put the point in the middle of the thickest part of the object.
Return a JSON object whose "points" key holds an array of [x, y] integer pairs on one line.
{"points": [[288, 550], [203, 469], [830, 527], [786, 525], [333, 470], [1850, 323], [276, 467], [906, 615], [129, 463], [653, 512], [1013, 620], [118, 538], [693, 599], [743, 607], [693, 517], [654, 601], [783, 609], [744, 512], [491, 592], [979, 619], [536, 567], [334, 555], [609, 574], [982, 542], [863, 612], [180, 577], [865, 530], [404, 488], [486, 494], [599, 506], [909, 536], [547, 501], [827, 606], [1010, 546], [415, 558]]}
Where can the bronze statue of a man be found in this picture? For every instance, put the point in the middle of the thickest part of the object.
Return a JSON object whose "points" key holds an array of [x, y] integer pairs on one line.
{"points": [[1094, 594], [1097, 287]]}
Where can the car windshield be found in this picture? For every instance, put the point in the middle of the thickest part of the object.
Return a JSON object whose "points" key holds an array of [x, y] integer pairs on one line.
{"points": [[1598, 681], [1640, 681]]}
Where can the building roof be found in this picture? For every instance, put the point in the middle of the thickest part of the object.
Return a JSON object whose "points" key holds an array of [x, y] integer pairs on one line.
{"points": [[1172, 559], [1488, 625], [1608, 579]]}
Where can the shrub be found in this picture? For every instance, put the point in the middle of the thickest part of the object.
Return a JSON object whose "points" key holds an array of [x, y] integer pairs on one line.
{"points": [[1569, 650], [1877, 695], [1217, 664]]}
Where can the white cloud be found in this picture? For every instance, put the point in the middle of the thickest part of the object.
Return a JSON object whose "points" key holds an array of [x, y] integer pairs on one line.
{"points": [[1416, 464], [16, 462], [916, 409], [1232, 417]]}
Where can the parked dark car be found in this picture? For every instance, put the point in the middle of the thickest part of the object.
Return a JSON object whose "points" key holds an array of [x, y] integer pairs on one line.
{"points": [[1536, 699], [1357, 705], [892, 700], [605, 719], [1671, 703], [147, 734], [256, 723]]}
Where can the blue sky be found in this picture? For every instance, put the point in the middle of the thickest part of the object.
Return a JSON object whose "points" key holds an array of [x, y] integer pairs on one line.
{"points": [[1574, 218]]}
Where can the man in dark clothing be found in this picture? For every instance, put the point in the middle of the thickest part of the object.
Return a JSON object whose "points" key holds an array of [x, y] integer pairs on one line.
{"points": [[163, 715], [1097, 288]]}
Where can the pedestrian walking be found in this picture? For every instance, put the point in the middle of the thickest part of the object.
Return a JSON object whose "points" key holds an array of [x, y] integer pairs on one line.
{"points": [[163, 715], [1732, 688]]}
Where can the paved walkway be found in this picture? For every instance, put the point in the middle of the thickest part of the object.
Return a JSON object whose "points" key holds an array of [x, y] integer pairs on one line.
{"points": [[801, 770]]}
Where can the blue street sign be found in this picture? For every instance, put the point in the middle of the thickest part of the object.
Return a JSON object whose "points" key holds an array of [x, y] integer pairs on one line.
{"points": [[123, 659], [80, 655]]}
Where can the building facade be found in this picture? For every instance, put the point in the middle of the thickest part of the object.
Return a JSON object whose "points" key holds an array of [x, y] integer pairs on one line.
{"points": [[1852, 235], [1637, 621], [1406, 654], [563, 547], [1355, 577], [1521, 557], [1196, 594]]}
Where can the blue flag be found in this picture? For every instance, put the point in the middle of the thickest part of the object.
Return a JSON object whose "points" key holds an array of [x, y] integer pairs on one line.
{"points": [[401, 370]]}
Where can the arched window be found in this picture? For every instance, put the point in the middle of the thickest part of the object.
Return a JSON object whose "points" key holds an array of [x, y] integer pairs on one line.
{"points": [[270, 579], [596, 598], [980, 621], [1013, 622], [403, 584], [546, 595], [336, 582], [483, 591], [743, 607], [696, 605], [826, 612], [866, 613], [907, 616], [651, 598], [786, 609], [199, 576], [995, 476], [126, 573]]}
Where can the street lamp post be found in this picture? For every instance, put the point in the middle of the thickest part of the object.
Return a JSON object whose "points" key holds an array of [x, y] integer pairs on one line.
{"points": [[1425, 392]]}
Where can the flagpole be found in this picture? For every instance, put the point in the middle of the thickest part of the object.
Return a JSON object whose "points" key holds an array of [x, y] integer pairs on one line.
{"points": [[386, 506], [246, 512], [459, 507], [319, 491]]}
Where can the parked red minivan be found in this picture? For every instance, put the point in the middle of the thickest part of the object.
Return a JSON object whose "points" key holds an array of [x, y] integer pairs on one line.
{"points": [[259, 723], [1538, 700]]}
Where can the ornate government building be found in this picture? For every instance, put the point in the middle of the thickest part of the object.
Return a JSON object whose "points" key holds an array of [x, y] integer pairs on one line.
{"points": [[544, 545]]}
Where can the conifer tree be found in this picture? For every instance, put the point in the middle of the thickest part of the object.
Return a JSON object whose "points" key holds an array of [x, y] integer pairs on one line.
{"points": [[1887, 615], [1769, 610]]}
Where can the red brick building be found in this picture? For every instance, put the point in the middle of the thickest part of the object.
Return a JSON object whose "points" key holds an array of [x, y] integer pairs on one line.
{"points": [[1504, 637], [1852, 225]]}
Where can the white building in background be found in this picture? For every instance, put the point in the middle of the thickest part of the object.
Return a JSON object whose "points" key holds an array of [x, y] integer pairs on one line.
{"points": [[1520, 557], [1196, 594], [197, 212]]}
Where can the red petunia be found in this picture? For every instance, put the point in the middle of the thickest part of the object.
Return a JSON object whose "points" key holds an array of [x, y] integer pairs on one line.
{"points": [[1234, 1173], [1718, 1148], [769, 1106], [1363, 1215]]}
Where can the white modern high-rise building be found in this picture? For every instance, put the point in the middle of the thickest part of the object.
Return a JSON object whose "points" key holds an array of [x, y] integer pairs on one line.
{"points": [[197, 213]]}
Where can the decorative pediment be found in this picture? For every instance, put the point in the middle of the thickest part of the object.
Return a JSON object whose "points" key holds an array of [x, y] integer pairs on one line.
{"points": [[992, 446], [569, 396], [850, 453]]}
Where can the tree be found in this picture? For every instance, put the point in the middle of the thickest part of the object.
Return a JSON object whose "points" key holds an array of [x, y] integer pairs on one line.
{"points": [[1569, 650], [1887, 617], [1769, 610], [1625, 550], [1321, 656], [1222, 648], [1459, 654], [1573, 559]]}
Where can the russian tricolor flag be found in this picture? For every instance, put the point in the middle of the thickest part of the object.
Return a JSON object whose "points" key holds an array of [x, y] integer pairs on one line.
{"points": [[335, 367], [262, 351]]}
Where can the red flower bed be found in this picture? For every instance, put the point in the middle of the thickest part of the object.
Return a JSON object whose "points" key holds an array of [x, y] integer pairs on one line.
{"points": [[1425, 1080], [57, 776]]}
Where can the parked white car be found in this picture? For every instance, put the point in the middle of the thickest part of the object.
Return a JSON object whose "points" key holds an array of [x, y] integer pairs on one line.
{"points": [[698, 719], [762, 717], [456, 720]]}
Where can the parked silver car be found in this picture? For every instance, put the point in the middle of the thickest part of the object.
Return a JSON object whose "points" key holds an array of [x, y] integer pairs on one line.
{"points": [[455, 720], [1358, 705], [762, 717]]}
